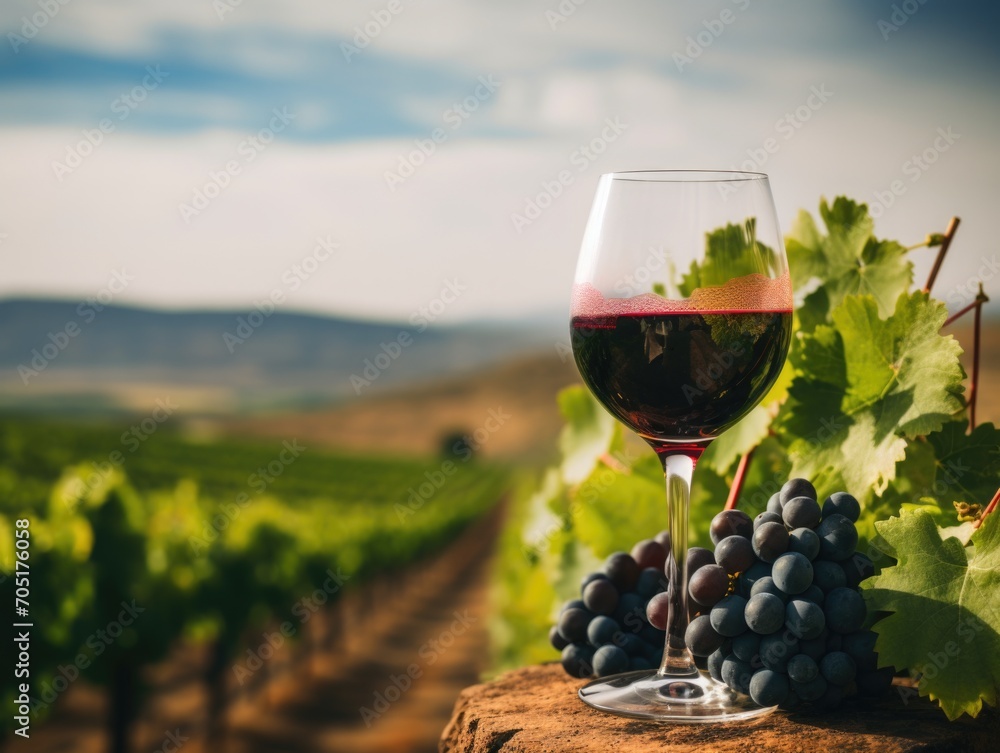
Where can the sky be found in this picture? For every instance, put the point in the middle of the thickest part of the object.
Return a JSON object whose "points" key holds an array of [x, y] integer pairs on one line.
{"points": [[378, 159]]}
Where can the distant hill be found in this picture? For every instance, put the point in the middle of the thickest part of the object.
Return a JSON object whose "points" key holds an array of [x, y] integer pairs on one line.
{"points": [[61, 355]]}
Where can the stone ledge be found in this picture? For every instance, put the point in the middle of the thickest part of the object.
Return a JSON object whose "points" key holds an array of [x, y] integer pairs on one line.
{"points": [[536, 710]]}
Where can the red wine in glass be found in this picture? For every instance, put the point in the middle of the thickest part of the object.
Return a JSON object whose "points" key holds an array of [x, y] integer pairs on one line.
{"points": [[681, 376]]}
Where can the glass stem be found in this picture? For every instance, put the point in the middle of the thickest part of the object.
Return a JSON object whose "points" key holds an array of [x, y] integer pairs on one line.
{"points": [[677, 659]]}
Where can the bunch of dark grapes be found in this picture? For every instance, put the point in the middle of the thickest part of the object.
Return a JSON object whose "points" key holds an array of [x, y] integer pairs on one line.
{"points": [[790, 627], [606, 630], [776, 611]]}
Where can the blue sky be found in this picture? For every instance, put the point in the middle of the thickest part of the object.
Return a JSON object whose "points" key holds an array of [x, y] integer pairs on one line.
{"points": [[511, 90]]}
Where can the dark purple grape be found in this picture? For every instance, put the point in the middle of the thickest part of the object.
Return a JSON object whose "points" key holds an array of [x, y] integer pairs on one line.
{"points": [[802, 668], [805, 619], [845, 610], [746, 646], [663, 539], [657, 610], [770, 541], [590, 578], [578, 603], [774, 504], [842, 503], [601, 597], [810, 691], [622, 570], [715, 665], [838, 668], [860, 646], [814, 594], [556, 639], [637, 663], [727, 616], [631, 644], [701, 638], [736, 674], [857, 568], [792, 573], [768, 688], [757, 571], [837, 538], [801, 512], [735, 554], [578, 660], [649, 553], [828, 575], [651, 581], [697, 558], [805, 542], [610, 660], [765, 613], [767, 517], [777, 649], [630, 608], [602, 631], [766, 585], [709, 585], [730, 523], [796, 487], [573, 624]]}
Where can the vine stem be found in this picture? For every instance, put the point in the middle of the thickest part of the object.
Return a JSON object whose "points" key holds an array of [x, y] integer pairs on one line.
{"points": [[949, 234], [977, 347], [738, 480], [989, 508]]}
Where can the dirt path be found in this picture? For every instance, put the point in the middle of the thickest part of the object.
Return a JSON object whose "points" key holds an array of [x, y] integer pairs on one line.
{"points": [[387, 682]]}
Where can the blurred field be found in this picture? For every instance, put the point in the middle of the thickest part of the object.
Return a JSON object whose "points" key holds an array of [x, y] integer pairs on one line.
{"points": [[415, 420]]}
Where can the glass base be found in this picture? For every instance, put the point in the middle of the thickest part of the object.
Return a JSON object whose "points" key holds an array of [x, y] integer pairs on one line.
{"points": [[697, 699]]}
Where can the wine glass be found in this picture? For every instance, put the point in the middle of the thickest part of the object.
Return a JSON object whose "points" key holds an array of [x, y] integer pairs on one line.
{"points": [[681, 320]]}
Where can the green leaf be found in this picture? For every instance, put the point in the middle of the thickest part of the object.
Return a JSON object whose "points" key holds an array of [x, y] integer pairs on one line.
{"points": [[945, 620], [612, 510], [731, 251], [849, 260], [737, 441], [864, 386], [590, 432]]}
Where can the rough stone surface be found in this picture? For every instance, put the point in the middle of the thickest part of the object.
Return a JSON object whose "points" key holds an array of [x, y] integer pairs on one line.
{"points": [[537, 710]]}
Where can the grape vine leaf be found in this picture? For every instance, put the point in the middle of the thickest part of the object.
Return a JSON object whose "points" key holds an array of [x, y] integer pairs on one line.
{"points": [[848, 260], [590, 432], [945, 620], [949, 466], [865, 385], [730, 251]]}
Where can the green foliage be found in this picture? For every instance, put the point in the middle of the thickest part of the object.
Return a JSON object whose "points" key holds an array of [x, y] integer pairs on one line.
{"points": [[208, 540], [871, 401], [944, 624]]}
